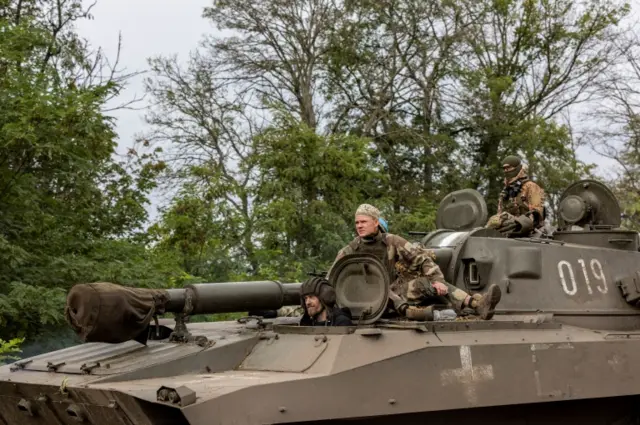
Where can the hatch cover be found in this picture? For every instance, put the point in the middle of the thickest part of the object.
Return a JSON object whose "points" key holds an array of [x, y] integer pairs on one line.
{"points": [[361, 283], [588, 202], [463, 210]]}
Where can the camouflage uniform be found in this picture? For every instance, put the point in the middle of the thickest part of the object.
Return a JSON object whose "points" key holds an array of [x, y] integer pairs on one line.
{"points": [[529, 197], [290, 311], [412, 268], [413, 271]]}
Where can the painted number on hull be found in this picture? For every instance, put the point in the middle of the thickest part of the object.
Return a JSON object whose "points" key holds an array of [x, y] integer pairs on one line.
{"points": [[568, 277]]}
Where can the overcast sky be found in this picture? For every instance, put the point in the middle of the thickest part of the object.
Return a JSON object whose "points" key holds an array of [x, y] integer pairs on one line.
{"points": [[149, 28], [164, 27]]}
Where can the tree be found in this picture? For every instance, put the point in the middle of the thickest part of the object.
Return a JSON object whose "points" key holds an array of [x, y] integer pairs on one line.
{"points": [[204, 128], [310, 186], [278, 50], [616, 133], [67, 204], [525, 60], [192, 231], [388, 64], [7, 348]]}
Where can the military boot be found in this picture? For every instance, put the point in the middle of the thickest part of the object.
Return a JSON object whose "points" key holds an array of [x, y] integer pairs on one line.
{"points": [[485, 304]]}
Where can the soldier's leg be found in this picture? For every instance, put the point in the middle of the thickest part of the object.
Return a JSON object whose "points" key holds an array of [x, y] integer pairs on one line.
{"points": [[483, 304], [416, 292], [457, 297], [494, 222], [290, 311], [498, 220], [419, 290]]}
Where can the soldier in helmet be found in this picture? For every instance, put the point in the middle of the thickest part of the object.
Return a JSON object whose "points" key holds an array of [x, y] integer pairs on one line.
{"points": [[521, 204], [318, 300], [416, 278]]}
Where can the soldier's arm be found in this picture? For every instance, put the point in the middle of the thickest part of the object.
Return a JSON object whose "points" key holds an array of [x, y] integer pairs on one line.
{"points": [[417, 258], [535, 198]]}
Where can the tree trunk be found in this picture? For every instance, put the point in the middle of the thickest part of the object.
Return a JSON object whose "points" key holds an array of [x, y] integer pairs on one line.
{"points": [[488, 161]]}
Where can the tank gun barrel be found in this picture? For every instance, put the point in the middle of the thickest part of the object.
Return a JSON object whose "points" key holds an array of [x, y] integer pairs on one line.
{"points": [[228, 297], [106, 312]]}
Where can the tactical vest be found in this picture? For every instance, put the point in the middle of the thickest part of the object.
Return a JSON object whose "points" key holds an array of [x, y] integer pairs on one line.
{"points": [[512, 202], [378, 248]]}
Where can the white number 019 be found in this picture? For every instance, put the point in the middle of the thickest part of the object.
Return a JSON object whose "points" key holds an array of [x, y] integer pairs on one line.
{"points": [[569, 285]]}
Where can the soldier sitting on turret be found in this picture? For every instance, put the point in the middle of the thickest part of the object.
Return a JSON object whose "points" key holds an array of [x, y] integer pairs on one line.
{"points": [[521, 204], [415, 276], [318, 300]]}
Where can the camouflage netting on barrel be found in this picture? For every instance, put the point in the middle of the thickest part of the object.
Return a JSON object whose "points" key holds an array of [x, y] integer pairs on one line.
{"points": [[106, 312]]}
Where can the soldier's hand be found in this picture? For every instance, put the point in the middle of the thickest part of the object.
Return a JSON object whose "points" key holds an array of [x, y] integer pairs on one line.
{"points": [[525, 223], [399, 304], [508, 226], [440, 288]]}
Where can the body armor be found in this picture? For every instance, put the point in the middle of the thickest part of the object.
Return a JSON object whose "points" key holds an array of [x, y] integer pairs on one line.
{"points": [[378, 247], [514, 203]]}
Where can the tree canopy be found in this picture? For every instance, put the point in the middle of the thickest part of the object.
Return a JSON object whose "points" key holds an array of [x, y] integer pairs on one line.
{"points": [[273, 131]]}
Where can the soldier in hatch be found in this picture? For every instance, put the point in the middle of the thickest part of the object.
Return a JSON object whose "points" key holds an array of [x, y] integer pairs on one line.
{"points": [[318, 301], [416, 278], [296, 311], [521, 204]]}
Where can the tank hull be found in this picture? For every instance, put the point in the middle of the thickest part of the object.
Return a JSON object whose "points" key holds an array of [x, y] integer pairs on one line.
{"points": [[578, 284], [288, 374]]}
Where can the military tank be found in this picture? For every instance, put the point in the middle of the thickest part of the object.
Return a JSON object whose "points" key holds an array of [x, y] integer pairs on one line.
{"points": [[562, 345]]}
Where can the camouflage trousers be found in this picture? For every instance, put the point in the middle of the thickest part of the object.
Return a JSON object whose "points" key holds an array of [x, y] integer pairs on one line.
{"points": [[290, 311], [419, 291], [498, 220], [416, 291]]}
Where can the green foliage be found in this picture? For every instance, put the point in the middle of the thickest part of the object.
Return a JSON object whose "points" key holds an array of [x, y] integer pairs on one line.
{"points": [[627, 188], [526, 62], [221, 317], [310, 187], [270, 138], [385, 66], [8, 347], [71, 211], [192, 234], [630, 203], [28, 308], [422, 218], [303, 203]]}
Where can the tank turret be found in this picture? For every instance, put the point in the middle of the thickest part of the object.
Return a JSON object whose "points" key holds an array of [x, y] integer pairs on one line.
{"points": [[589, 214], [585, 273]]}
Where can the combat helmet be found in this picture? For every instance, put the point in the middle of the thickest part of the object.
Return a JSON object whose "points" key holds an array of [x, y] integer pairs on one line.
{"points": [[319, 287], [514, 162]]}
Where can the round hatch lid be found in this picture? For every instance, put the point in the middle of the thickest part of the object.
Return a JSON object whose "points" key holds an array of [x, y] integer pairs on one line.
{"points": [[588, 202], [462, 210], [362, 284]]}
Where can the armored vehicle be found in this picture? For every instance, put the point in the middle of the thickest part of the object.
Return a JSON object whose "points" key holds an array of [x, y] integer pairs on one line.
{"points": [[561, 347]]}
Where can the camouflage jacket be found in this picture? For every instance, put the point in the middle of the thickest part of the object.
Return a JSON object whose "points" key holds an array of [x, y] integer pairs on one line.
{"points": [[530, 197], [404, 259]]}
